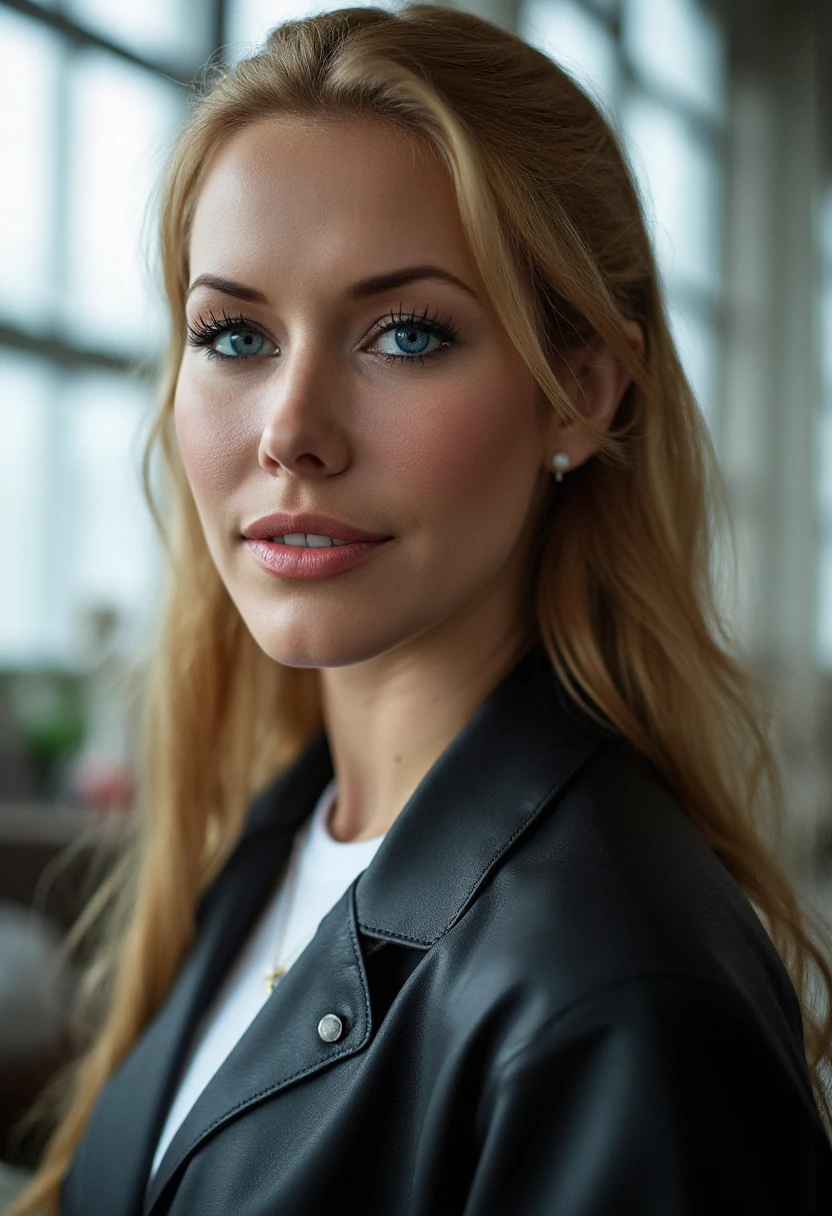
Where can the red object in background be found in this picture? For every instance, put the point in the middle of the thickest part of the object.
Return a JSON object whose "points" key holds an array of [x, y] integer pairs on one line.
{"points": [[103, 785]]}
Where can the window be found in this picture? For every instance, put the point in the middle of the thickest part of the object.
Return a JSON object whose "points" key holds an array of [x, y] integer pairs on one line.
{"points": [[676, 48], [120, 121], [579, 41], [28, 85], [659, 72], [170, 30], [27, 387], [248, 21], [103, 89]]}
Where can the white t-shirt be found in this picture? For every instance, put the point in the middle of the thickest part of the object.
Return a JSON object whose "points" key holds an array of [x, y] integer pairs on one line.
{"points": [[325, 869]]}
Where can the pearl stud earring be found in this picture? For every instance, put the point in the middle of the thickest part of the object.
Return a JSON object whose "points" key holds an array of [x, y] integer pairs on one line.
{"points": [[561, 461]]}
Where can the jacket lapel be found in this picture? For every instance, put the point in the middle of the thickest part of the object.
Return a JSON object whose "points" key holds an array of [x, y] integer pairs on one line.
{"points": [[282, 1045], [505, 767]]}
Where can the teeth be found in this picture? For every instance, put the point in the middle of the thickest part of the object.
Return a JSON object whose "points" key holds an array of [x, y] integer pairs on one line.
{"points": [[308, 540]]}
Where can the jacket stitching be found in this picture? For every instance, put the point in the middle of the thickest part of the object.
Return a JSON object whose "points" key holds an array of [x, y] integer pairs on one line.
{"points": [[504, 847]]}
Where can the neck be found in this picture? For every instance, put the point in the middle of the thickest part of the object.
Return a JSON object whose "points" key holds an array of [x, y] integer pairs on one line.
{"points": [[388, 720]]}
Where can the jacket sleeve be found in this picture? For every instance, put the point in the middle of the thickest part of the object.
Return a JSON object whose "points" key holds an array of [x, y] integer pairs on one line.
{"points": [[662, 1096]]}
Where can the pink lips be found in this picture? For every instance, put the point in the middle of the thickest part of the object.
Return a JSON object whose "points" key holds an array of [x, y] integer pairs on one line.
{"points": [[295, 561], [283, 524]]}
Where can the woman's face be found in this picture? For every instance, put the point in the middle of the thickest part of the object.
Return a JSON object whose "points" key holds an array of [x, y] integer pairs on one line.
{"points": [[432, 433]]}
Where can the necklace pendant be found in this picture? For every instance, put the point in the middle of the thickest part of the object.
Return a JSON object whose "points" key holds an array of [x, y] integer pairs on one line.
{"points": [[272, 977]]}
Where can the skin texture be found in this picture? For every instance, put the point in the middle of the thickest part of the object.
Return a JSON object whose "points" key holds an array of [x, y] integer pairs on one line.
{"points": [[450, 456]]}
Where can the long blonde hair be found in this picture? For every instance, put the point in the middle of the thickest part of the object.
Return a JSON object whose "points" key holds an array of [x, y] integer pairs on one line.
{"points": [[621, 584]]}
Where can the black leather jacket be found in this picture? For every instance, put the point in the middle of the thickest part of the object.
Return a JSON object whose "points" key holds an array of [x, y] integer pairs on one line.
{"points": [[554, 1000]]}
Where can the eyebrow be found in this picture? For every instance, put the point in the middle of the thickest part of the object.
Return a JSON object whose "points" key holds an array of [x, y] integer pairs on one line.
{"points": [[358, 291]]}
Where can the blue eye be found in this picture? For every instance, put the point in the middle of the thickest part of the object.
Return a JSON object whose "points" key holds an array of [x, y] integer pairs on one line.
{"points": [[411, 335], [242, 342], [242, 339], [411, 341]]}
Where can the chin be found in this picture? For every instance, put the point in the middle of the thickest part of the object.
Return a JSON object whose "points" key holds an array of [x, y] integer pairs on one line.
{"points": [[330, 642], [297, 645]]}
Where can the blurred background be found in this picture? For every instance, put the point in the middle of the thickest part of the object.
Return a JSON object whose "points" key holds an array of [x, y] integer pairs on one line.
{"points": [[725, 109]]}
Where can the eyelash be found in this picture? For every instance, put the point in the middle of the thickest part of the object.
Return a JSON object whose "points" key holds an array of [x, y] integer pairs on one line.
{"points": [[204, 332]]}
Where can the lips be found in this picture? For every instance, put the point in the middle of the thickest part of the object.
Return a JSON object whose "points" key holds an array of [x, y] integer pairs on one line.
{"points": [[296, 562], [281, 524]]}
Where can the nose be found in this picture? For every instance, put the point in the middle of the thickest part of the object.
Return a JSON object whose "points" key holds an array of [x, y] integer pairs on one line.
{"points": [[301, 433]]}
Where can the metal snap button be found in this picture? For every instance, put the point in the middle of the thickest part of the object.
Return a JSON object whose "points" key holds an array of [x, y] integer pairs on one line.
{"points": [[330, 1028]]}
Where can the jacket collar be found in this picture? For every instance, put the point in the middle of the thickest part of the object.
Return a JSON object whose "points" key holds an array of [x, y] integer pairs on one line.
{"points": [[514, 754], [513, 758]]}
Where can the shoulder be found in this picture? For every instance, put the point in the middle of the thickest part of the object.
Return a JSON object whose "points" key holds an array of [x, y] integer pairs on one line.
{"points": [[612, 886], [655, 1093]]}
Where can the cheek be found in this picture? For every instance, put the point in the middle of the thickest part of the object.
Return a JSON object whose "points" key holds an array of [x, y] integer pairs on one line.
{"points": [[474, 456], [209, 448]]}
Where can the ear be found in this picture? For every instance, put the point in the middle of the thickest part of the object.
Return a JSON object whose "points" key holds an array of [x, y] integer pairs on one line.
{"points": [[596, 381]]}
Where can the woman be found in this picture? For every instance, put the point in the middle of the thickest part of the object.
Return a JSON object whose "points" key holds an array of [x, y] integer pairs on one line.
{"points": [[450, 894]]}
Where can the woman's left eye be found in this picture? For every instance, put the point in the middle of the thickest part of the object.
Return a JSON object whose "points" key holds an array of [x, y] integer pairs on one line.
{"points": [[409, 337]]}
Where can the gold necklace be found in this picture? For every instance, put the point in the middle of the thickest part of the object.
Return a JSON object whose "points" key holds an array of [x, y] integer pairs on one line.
{"points": [[276, 970]]}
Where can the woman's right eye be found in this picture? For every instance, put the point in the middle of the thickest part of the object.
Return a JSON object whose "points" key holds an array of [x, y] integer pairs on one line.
{"points": [[239, 343], [229, 338]]}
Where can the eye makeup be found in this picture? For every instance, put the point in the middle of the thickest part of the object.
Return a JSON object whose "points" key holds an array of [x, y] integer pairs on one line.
{"points": [[206, 333]]}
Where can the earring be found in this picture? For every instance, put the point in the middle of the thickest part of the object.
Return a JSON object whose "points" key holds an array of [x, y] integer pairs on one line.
{"points": [[561, 461]]}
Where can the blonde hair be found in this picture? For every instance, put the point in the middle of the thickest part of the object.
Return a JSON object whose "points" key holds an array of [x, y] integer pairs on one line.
{"points": [[621, 582]]}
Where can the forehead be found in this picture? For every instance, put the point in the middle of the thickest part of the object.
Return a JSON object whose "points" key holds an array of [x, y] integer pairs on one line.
{"points": [[342, 198]]}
